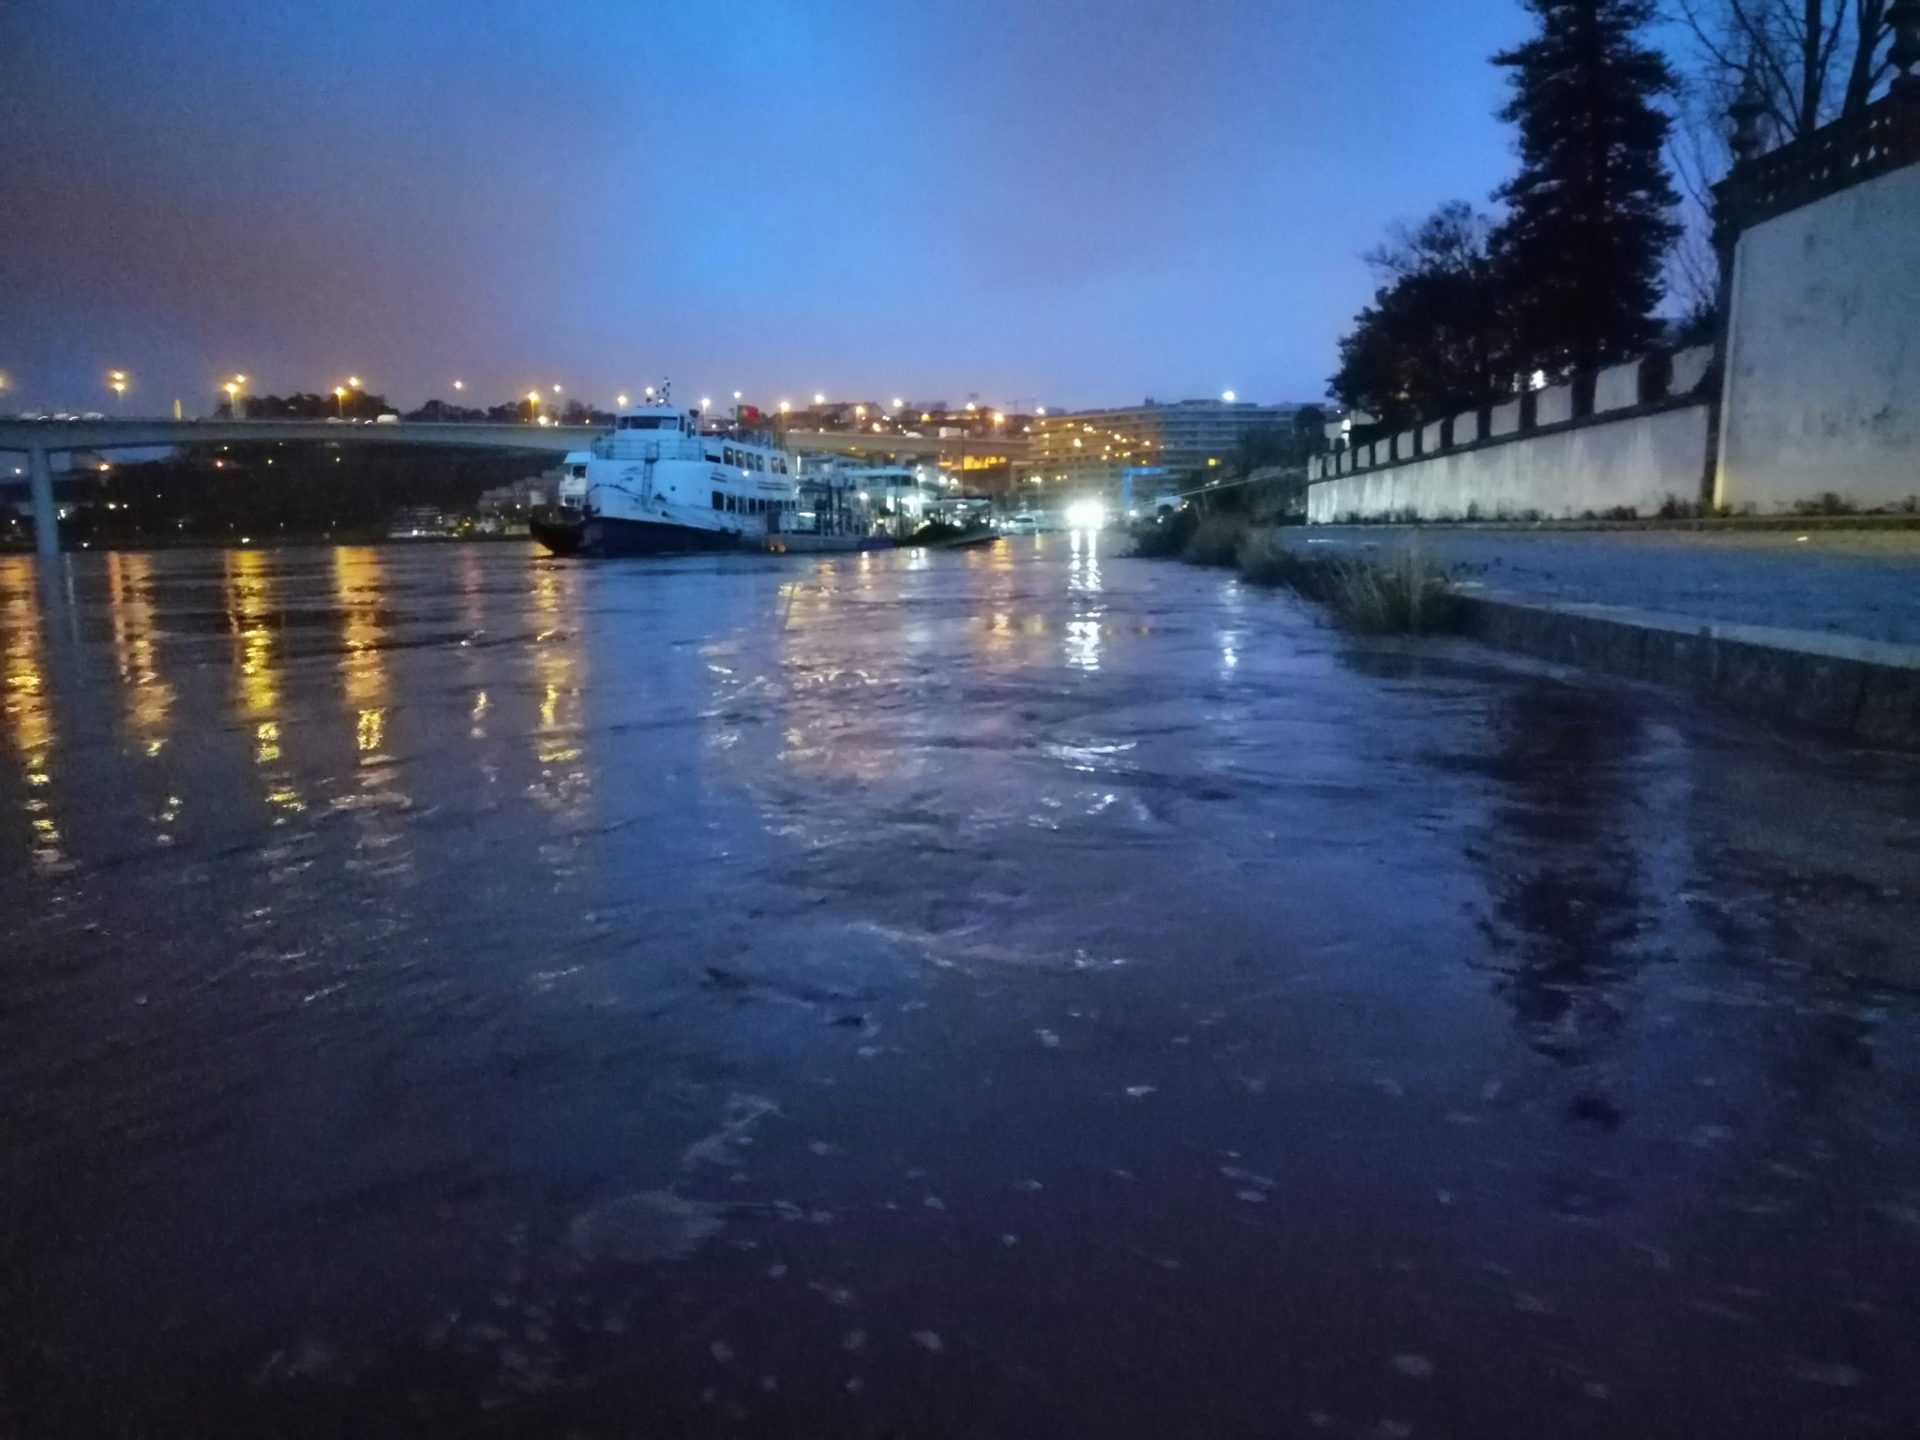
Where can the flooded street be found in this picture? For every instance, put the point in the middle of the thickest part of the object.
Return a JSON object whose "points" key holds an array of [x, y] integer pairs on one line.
{"points": [[1005, 992]]}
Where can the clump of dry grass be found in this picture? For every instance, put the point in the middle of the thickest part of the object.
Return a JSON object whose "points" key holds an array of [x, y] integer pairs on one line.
{"points": [[1215, 540], [1403, 591]]}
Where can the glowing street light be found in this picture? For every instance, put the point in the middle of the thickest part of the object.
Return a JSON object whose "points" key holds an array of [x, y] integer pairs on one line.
{"points": [[999, 418], [706, 404], [117, 382], [621, 401], [459, 384], [786, 406], [353, 382], [1040, 410], [898, 403], [1228, 396], [859, 412], [819, 399], [340, 400], [736, 394]]}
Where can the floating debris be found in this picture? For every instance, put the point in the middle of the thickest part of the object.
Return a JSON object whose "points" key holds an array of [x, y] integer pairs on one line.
{"points": [[1815, 1372], [1136, 1091], [647, 1226]]}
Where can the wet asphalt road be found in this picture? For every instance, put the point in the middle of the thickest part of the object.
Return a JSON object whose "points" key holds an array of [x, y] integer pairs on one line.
{"points": [[1000, 993]]}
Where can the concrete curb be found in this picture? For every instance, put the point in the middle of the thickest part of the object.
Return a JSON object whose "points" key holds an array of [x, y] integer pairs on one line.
{"points": [[1865, 689]]}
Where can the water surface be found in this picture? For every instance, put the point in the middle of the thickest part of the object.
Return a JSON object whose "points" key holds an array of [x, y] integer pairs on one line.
{"points": [[449, 991]]}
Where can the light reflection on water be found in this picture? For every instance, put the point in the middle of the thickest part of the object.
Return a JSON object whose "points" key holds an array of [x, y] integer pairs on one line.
{"points": [[29, 720]]}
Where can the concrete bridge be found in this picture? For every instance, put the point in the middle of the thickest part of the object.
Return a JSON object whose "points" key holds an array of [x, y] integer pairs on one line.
{"points": [[39, 440]]}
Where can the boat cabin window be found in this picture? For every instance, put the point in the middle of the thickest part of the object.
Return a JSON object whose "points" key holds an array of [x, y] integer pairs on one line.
{"points": [[728, 452], [646, 422], [719, 501]]}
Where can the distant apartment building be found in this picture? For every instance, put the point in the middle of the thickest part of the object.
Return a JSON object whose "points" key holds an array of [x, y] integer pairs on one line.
{"points": [[1089, 452]]}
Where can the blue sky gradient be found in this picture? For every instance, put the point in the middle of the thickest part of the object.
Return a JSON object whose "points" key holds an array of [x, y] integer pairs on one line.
{"points": [[1063, 203]]}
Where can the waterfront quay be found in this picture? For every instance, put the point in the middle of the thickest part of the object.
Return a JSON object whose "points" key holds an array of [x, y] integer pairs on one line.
{"points": [[1010, 991]]}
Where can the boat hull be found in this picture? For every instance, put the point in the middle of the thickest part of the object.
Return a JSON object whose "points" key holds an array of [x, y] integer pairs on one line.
{"points": [[601, 535]]}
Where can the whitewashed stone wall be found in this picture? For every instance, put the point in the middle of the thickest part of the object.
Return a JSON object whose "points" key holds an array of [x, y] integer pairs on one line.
{"points": [[1823, 363], [1638, 461]]}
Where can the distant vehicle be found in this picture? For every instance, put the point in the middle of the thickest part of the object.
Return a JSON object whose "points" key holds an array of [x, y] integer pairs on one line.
{"points": [[31, 415], [388, 419], [1021, 522], [64, 415], [93, 415]]}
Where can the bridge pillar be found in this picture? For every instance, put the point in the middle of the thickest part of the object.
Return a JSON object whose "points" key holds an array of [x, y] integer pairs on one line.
{"points": [[46, 515]]}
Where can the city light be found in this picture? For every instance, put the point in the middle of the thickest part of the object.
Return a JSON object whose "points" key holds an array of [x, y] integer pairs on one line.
{"points": [[898, 403], [859, 412], [736, 395], [353, 382], [648, 392], [556, 389], [1227, 396], [533, 397], [706, 403], [1041, 410], [819, 399], [998, 418], [621, 401], [1086, 515], [459, 384], [785, 406]]}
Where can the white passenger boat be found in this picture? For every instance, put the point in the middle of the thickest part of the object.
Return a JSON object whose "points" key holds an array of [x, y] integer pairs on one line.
{"points": [[656, 485]]}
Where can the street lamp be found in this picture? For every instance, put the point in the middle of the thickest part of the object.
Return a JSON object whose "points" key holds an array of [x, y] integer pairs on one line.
{"points": [[117, 382], [819, 399], [621, 401], [353, 382], [459, 384], [533, 399], [340, 400]]}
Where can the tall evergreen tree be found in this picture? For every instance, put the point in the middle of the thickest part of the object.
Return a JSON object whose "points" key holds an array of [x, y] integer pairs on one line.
{"points": [[1590, 213]]}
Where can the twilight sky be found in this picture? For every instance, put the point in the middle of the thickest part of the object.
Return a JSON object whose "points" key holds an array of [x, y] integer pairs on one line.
{"points": [[1036, 200]]}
